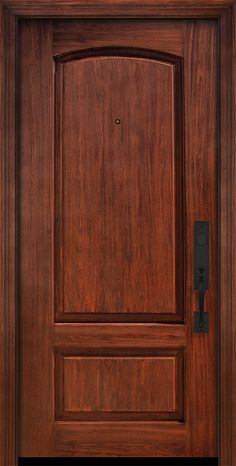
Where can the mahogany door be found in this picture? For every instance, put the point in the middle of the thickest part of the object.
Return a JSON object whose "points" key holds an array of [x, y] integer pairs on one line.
{"points": [[117, 161]]}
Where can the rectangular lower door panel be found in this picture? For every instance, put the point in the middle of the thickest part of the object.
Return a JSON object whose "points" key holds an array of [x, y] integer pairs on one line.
{"points": [[118, 386]]}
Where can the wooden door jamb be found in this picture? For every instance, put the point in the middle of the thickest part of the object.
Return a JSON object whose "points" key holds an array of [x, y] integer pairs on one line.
{"points": [[11, 11]]}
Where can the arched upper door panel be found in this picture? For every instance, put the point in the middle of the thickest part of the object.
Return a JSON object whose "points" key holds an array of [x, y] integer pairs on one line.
{"points": [[119, 200]]}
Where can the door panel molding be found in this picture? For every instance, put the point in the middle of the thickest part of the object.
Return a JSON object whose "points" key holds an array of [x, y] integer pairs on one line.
{"points": [[11, 11], [97, 368], [167, 302]]}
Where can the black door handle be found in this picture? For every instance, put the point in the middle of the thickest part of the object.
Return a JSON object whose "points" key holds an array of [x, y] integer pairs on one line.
{"points": [[201, 296], [201, 253]]}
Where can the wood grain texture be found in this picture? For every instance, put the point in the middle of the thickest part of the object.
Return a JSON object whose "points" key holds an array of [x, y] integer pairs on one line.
{"points": [[227, 231], [2, 252], [227, 297], [166, 36], [199, 181], [71, 3], [201, 204], [131, 385], [38, 290], [120, 248], [100, 384], [8, 248], [104, 439], [75, 336], [226, 277], [36, 233], [164, 8], [231, 314]]}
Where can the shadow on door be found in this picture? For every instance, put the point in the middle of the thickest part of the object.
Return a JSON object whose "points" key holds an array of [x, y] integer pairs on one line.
{"points": [[118, 461]]}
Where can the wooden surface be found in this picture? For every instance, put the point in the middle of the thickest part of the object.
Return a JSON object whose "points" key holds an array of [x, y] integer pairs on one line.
{"points": [[82, 34], [105, 439], [116, 391], [36, 233], [226, 279], [118, 189], [226, 214], [119, 335], [119, 250], [8, 294], [163, 8], [231, 298], [200, 158]]}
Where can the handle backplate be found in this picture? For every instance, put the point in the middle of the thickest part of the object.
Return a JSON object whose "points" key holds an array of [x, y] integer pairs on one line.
{"points": [[201, 273]]}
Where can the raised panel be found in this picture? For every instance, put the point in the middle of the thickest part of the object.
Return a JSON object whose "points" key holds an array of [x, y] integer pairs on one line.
{"points": [[118, 187], [120, 385]]}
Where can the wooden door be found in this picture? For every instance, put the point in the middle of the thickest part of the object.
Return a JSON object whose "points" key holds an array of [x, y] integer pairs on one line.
{"points": [[118, 159]]}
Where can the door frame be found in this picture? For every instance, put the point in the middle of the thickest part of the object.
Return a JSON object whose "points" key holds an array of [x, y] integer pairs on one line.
{"points": [[224, 12]]}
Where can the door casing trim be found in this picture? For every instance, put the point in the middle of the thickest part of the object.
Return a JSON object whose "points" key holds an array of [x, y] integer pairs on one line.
{"points": [[11, 11]]}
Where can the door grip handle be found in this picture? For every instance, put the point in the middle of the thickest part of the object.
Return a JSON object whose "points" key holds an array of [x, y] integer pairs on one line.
{"points": [[201, 272], [201, 322]]}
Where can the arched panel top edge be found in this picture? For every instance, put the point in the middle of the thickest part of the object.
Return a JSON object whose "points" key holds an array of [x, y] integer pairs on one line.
{"points": [[129, 52]]}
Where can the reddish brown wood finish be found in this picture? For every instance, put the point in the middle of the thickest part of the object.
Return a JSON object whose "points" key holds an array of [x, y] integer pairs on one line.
{"points": [[163, 8], [228, 86], [8, 229], [225, 16], [119, 335], [118, 249], [36, 233], [225, 220], [106, 438], [200, 157], [165, 36], [110, 385], [145, 175]]}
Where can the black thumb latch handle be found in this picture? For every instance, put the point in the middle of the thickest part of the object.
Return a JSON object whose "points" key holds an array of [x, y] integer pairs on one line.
{"points": [[201, 294], [201, 271]]}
